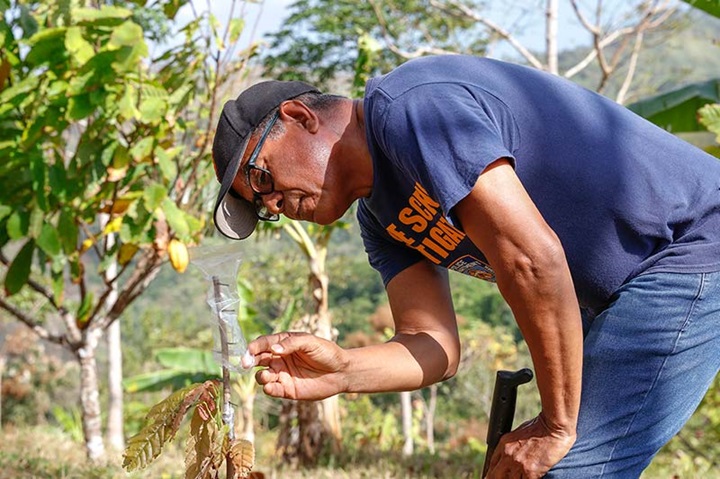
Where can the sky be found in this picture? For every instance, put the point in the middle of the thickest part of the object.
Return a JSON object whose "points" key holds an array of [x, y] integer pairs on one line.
{"points": [[525, 19]]}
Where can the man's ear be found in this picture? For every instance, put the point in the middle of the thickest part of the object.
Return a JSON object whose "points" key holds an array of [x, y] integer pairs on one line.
{"points": [[295, 111]]}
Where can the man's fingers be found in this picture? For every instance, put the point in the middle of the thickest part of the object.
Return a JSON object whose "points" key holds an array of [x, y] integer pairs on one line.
{"points": [[266, 376], [264, 344], [261, 350]]}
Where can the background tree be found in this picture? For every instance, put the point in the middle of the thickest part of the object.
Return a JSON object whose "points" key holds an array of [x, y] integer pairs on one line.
{"points": [[92, 126], [307, 428], [316, 37], [317, 41]]}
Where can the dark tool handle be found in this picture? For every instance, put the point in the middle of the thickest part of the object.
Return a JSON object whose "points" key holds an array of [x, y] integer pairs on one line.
{"points": [[502, 410]]}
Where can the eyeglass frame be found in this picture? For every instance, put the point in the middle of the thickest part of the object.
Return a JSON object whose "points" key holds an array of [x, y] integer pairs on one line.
{"points": [[250, 165]]}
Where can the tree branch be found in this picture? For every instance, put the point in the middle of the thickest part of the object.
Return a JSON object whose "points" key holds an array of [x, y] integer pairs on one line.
{"points": [[551, 36], [32, 324], [468, 12], [631, 69], [605, 42], [133, 287]]}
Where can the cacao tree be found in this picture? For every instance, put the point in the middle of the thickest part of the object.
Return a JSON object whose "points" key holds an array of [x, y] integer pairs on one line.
{"points": [[105, 159]]}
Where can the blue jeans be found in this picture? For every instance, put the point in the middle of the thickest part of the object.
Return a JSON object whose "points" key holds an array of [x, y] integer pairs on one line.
{"points": [[649, 358]]}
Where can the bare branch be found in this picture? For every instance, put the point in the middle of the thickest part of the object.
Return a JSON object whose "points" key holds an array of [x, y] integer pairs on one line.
{"points": [[631, 69], [594, 29], [147, 266], [507, 36], [32, 324], [605, 42], [551, 33]]}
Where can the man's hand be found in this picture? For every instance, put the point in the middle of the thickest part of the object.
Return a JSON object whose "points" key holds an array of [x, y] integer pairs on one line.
{"points": [[529, 451], [299, 366]]}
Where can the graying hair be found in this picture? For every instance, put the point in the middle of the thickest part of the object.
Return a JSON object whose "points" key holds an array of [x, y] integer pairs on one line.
{"points": [[317, 102]]}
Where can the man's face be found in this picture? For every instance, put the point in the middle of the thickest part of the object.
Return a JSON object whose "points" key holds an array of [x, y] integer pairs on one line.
{"points": [[290, 171]]}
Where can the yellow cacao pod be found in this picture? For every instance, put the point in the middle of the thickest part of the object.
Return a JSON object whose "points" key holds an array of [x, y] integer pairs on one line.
{"points": [[178, 255]]}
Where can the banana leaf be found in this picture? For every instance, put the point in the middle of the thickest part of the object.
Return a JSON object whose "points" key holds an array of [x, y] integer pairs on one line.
{"points": [[184, 366], [676, 111], [710, 6]]}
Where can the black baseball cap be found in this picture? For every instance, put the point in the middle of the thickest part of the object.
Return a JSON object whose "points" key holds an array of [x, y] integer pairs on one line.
{"points": [[234, 216]]}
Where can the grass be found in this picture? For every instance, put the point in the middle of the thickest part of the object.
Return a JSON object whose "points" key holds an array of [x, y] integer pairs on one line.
{"points": [[48, 453]]}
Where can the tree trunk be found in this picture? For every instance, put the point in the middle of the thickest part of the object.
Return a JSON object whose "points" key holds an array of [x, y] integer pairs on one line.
{"points": [[551, 36], [407, 419], [329, 408], [309, 427], [430, 419], [90, 398], [246, 414], [116, 437], [2, 371], [115, 422]]}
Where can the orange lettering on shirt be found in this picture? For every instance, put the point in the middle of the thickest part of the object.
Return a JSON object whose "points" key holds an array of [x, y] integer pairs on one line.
{"points": [[418, 222]]}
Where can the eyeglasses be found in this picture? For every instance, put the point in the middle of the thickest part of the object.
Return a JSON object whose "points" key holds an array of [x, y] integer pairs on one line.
{"points": [[260, 180]]}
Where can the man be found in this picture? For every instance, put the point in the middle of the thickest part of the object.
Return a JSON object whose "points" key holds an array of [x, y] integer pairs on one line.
{"points": [[567, 200]]}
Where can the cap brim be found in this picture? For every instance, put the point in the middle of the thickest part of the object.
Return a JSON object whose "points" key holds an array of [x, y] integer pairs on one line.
{"points": [[234, 217]]}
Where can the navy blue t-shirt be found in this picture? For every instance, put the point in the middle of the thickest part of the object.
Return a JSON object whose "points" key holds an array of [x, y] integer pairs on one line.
{"points": [[624, 196]]}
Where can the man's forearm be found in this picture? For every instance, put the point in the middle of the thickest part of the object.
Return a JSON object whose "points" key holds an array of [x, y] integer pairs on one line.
{"points": [[405, 363], [548, 315]]}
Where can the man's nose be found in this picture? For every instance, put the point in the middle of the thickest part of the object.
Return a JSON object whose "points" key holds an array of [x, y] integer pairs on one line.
{"points": [[273, 202]]}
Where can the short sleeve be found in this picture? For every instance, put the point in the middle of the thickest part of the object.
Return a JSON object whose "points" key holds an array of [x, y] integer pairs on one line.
{"points": [[444, 135]]}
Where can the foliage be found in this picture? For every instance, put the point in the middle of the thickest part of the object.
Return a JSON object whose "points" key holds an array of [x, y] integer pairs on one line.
{"points": [[163, 421], [207, 444], [710, 6], [105, 158], [676, 110], [183, 366], [316, 41], [709, 116], [91, 132]]}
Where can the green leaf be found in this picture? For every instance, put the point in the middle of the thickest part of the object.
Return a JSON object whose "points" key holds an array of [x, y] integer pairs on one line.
{"points": [[106, 15], [710, 117], [142, 149], [4, 211], [167, 166], [80, 106], [154, 195], [175, 218], [237, 25], [58, 286], [171, 7], [19, 270], [79, 48], [152, 110], [85, 308], [129, 34], [179, 97], [47, 46], [38, 169], [17, 225], [68, 231], [710, 6], [37, 219], [159, 380], [126, 105], [49, 240], [676, 110], [189, 360]]}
